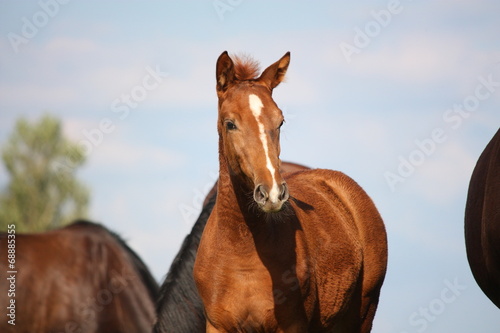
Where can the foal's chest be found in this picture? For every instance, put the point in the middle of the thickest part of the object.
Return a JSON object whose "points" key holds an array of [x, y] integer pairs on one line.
{"points": [[259, 299], [246, 301]]}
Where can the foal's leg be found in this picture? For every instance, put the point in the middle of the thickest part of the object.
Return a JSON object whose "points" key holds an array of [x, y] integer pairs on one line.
{"points": [[366, 325], [211, 329], [296, 327]]}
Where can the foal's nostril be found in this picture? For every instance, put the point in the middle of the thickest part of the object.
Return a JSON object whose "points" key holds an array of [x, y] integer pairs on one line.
{"points": [[284, 195], [260, 194]]}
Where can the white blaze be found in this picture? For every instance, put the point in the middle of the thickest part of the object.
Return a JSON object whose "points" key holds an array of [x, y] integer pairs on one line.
{"points": [[256, 107]]}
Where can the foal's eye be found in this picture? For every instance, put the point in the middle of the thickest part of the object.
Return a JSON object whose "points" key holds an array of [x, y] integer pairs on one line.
{"points": [[230, 126], [282, 122]]}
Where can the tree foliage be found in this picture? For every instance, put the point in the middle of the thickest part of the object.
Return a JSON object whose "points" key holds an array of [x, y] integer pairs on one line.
{"points": [[43, 191]]}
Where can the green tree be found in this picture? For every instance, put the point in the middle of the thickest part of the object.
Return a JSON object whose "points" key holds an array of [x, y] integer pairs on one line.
{"points": [[43, 192]]}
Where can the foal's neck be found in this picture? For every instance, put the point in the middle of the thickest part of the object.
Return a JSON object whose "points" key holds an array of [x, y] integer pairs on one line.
{"points": [[237, 210], [235, 195], [247, 229]]}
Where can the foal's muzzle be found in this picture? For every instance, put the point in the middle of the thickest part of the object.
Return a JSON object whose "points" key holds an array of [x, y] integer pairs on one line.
{"points": [[271, 201]]}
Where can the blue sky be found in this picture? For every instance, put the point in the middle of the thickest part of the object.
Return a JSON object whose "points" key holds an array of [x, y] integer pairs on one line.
{"points": [[400, 95]]}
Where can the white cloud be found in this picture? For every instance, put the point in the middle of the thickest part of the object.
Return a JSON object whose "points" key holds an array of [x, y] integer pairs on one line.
{"points": [[61, 47], [40, 96], [197, 88], [415, 57], [72, 127], [116, 154], [110, 150]]}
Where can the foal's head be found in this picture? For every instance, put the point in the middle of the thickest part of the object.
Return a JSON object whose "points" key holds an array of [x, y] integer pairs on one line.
{"points": [[249, 127]]}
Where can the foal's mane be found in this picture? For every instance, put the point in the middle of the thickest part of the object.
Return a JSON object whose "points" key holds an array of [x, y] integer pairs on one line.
{"points": [[245, 67]]}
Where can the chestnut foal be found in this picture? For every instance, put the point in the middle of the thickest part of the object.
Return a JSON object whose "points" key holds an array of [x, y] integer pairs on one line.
{"points": [[295, 252]]}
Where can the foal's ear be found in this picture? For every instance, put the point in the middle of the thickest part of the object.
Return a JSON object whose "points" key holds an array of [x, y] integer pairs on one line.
{"points": [[274, 74], [224, 72]]}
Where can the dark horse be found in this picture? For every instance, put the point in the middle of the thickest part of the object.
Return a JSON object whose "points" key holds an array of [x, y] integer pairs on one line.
{"points": [[80, 278], [482, 221], [302, 251], [179, 306]]}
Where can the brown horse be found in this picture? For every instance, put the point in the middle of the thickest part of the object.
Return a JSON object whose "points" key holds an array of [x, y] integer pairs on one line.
{"points": [[179, 308], [304, 251], [482, 221], [81, 278]]}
